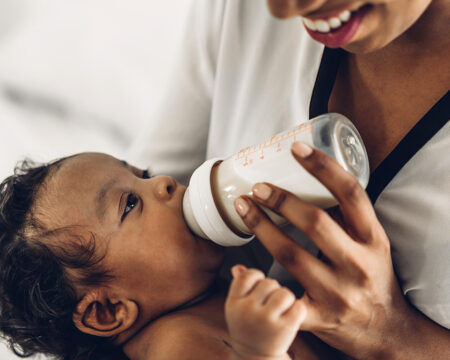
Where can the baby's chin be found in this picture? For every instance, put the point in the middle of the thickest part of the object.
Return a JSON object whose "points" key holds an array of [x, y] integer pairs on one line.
{"points": [[208, 252], [198, 240], [212, 255], [217, 250]]}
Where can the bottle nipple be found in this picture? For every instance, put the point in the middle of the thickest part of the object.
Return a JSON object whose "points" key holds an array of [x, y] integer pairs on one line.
{"points": [[353, 152]]}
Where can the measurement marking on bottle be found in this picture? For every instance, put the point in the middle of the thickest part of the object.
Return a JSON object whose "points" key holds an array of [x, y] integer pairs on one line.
{"points": [[250, 154]]}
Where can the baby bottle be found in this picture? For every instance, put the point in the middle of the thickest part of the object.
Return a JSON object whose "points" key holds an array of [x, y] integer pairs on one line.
{"points": [[208, 204]]}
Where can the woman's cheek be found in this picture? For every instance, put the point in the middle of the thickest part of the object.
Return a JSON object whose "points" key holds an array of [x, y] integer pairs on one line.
{"points": [[285, 8]]}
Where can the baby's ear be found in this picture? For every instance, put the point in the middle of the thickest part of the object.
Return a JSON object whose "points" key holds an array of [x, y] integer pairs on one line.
{"points": [[100, 315]]}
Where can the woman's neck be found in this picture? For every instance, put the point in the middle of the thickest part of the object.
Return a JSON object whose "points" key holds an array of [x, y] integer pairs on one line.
{"points": [[386, 92], [428, 37]]}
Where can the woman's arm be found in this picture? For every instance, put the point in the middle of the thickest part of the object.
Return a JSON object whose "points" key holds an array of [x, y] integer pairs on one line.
{"points": [[352, 301], [173, 142]]}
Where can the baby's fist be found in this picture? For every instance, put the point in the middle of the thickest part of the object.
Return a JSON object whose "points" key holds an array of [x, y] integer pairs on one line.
{"points": [[263, 318]]}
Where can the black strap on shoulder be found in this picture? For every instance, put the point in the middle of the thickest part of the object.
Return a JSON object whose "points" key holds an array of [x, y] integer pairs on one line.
{"points": [[325, 80], [416, 138]]}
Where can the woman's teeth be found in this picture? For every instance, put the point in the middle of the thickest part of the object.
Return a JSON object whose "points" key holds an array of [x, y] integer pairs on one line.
{"points": [[326, 25]]}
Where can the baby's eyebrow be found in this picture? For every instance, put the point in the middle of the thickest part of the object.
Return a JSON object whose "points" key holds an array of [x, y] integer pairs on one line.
{"points": [[134, 170], [101, 198]]}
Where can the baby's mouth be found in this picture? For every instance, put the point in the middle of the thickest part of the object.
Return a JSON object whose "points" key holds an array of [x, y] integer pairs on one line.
{"points": [[183, 191]]}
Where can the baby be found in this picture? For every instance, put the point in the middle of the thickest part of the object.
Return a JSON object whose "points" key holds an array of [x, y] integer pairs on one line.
{"points": [[98, 263]]}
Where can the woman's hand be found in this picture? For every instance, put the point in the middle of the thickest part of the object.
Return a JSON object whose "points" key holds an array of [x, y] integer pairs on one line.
{"points": [[352, 299], [263, 318]]}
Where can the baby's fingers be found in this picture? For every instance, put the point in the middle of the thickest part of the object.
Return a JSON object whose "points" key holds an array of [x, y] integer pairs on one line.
{"points": [[263, 290], [279, 301], [296, 314], [244, 280]]}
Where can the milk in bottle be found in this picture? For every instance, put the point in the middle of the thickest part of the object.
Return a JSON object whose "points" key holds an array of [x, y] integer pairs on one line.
{"points": [[208, 204]]}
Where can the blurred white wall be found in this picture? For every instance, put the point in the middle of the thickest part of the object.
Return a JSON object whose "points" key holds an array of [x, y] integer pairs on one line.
{"points": [[79, 75]]}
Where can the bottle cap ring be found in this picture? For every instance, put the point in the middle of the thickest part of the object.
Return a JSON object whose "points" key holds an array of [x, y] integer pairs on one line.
{"points": [[205, 211]]}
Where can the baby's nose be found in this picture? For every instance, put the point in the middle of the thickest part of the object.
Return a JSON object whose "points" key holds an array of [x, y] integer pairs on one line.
{"points": [[165, 187]]}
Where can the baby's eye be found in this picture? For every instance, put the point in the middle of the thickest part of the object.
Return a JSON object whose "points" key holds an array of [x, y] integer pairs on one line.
{"points": [[132, 201]]}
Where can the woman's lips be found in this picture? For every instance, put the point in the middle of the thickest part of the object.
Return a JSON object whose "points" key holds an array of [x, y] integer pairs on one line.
{"points": [[337, 31]]}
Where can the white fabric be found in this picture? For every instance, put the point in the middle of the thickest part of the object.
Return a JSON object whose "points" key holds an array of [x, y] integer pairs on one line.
{"points": [[104, 59], [243, 76], [43, 136], [80, 75], [414, 210]]}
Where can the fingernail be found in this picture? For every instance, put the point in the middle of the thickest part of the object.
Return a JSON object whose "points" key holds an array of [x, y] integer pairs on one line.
{"points": [[301, 149], [241, 206], [262, 191], [237, 269]]}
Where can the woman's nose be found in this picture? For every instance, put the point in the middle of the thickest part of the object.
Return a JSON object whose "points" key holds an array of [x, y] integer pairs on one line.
{"points": [[164, 187], [288, 8]]}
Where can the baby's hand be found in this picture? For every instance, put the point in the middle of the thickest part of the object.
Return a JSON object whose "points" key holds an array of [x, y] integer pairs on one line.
{"points": [[263, 318]]}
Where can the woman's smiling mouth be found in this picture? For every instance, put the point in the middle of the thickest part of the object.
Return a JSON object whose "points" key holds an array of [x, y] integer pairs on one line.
{"points": [[338, 29]]}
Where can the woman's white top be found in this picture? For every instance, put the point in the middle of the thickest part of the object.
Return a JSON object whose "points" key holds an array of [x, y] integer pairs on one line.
{"points": [[243, 76]]}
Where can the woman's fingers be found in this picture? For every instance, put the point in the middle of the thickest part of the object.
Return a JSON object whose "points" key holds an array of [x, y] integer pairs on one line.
{"points": [[329, 237], [308, 270], [354, 202], [311, 314]]}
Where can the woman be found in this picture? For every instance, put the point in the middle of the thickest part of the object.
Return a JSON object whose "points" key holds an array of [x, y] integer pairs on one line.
{"points": [[245, 75]]}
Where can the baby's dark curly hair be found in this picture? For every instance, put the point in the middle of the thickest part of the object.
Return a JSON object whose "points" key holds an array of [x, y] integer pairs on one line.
{"points": [[37, 292]]}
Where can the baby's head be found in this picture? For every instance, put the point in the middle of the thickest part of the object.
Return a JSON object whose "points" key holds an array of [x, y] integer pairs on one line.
{"points": [[92, 250]]}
